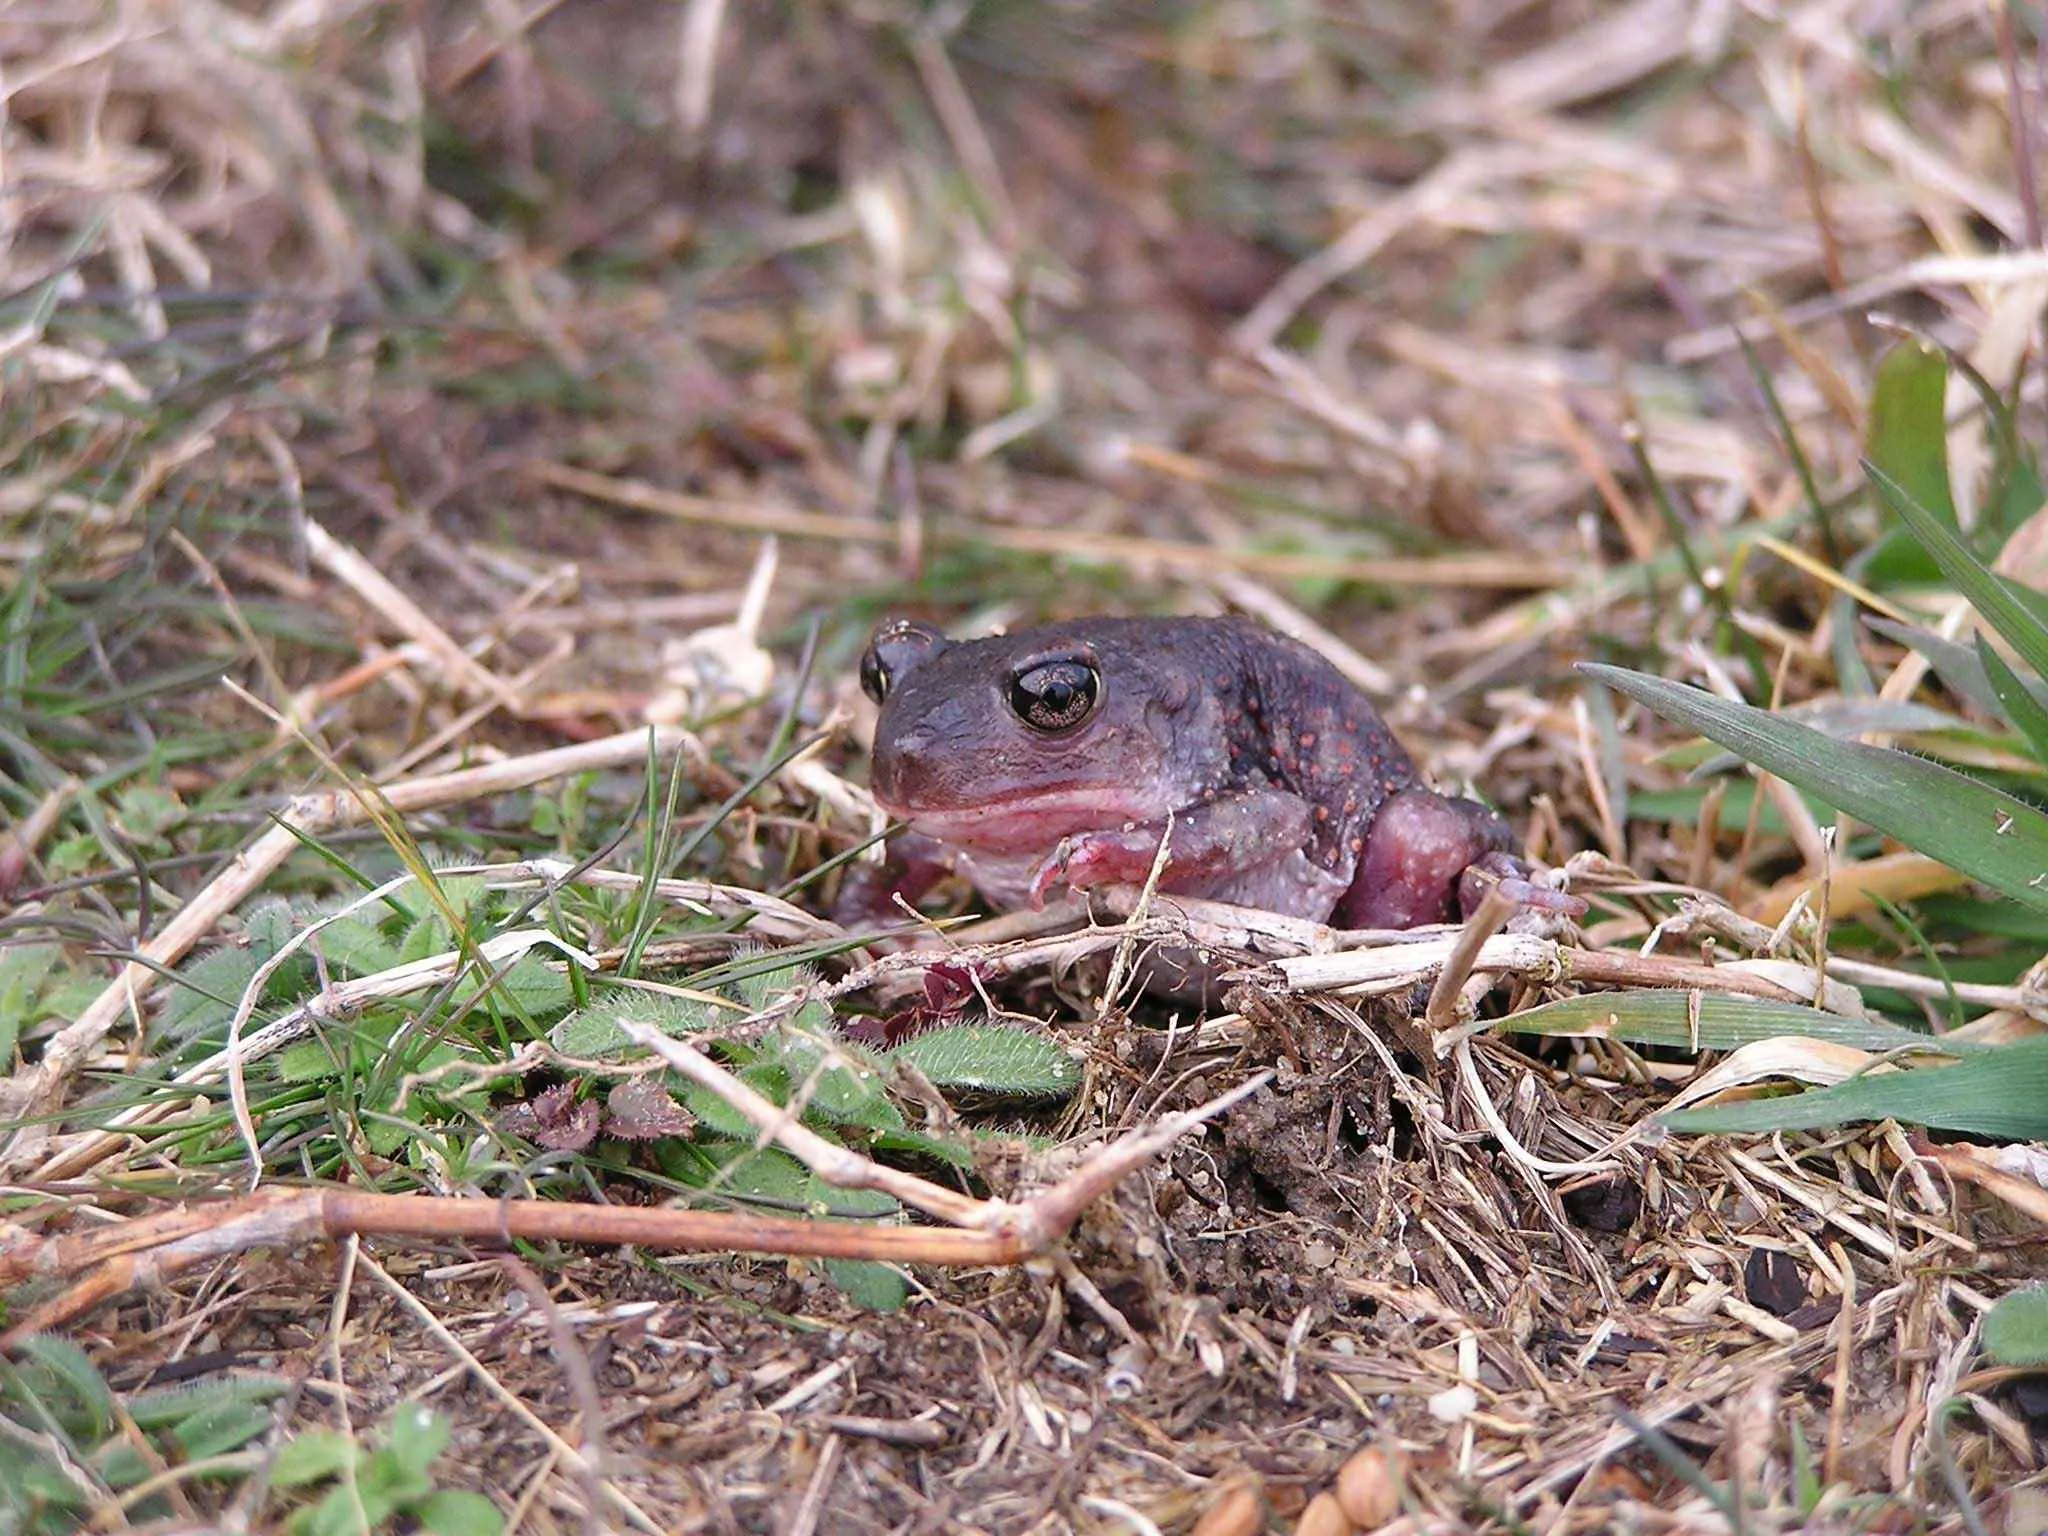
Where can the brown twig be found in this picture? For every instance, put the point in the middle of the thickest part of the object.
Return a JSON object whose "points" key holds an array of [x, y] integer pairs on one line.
{"points": [[988, 1232]]}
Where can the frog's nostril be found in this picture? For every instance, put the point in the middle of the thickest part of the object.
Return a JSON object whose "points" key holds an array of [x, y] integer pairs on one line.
{"points": [[913, 746]]}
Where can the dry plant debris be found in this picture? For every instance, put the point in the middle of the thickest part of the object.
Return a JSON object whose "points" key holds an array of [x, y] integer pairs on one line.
{"points": [[452, 455]]}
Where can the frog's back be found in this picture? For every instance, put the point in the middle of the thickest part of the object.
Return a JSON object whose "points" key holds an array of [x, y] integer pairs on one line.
{"points": [[1308, 729]]}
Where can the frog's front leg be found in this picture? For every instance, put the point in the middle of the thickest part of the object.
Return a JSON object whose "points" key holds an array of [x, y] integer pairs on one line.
{"points": [[1221, 837], [1419, 845], [1429, 858]]}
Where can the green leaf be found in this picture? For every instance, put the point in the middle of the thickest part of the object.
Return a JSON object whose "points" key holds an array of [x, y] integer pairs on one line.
{"points": [[2015, 1330], [417, 1435], [593, 1033], [1983, 832], [355, 946], [1955, 664], [535, 986], [1909, 425], [147, 811], [390, 1481], [429, 934], [770, 1174], [850, 1095], [31, 1483], [868, 1285], [344, 1512], [162, 1407], [220, 1430], [2025, 712], [848, 1204], [2001, 1092], [989, 1058], [458, 1512], [953, 1151], [2013, 616], [1705, 1021], [58, 1377], [312, 1456], [25, 971], [120, 1464]]}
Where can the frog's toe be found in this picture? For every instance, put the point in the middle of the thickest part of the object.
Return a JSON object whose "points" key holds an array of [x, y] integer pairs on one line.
{"points": [[1518, 882]]}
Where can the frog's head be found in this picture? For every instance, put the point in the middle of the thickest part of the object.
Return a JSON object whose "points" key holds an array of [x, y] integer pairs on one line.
{"points": [[1013, 742]]}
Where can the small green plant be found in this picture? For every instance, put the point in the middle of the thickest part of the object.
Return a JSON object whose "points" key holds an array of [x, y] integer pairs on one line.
{"points": [[414, 1077], [387, 1486], [802, 1057], [70, 1445]]}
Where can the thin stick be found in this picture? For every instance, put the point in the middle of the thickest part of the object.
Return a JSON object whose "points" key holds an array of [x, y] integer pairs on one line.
{"points": [[383, 595], [1492, 914], [836, 1165], [998, 1232]]}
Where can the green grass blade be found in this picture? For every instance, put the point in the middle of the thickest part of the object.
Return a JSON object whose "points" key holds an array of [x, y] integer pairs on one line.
{"points": [[1983, 832], [1954, 663], [2003, 609], [1909, 425], [1999, 1092], [1662, 1016], [2015, 700]]}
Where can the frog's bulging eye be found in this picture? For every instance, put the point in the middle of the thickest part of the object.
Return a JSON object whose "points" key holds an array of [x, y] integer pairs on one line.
{"points": [[874, 676], [898, 646], [1055, 695]]}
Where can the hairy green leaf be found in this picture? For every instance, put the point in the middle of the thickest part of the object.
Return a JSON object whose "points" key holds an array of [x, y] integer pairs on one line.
{"points": [[458, 1512], [991, 1059], [868, 1285], [2015, 1330]]}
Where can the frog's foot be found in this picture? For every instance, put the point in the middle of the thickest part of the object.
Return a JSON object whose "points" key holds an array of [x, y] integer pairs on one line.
{"points": [[874, 895], [1095, 858], [1518, 881]]}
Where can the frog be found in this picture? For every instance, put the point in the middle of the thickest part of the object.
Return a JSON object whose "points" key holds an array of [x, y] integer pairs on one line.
{"points": [[1065, 756]]}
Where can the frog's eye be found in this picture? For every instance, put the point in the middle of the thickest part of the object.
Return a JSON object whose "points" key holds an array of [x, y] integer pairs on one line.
{"points": [[874, 675], [1055, 695], [898, 646]]}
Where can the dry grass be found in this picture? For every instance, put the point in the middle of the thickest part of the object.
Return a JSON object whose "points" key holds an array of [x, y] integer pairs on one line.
{"points": [[394, 394]]}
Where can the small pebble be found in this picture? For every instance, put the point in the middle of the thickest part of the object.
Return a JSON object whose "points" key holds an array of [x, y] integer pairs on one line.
{"points": [[1238, 1511], [1323, 1517], [1369, 1487]]}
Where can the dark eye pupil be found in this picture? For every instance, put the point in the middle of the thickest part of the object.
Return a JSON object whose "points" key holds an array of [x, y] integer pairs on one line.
{"points": [[874, 677], [1055, 696]]}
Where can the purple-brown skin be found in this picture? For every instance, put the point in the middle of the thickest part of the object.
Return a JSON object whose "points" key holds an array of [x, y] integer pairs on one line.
{"points": [[1055, 756]]}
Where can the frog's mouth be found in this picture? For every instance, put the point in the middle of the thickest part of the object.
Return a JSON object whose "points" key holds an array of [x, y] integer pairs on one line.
{"points": [[1031, 823]]}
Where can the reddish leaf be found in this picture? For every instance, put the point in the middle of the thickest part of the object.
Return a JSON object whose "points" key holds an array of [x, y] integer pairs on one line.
{"points": [[557, 1120], [640, 1109]]}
